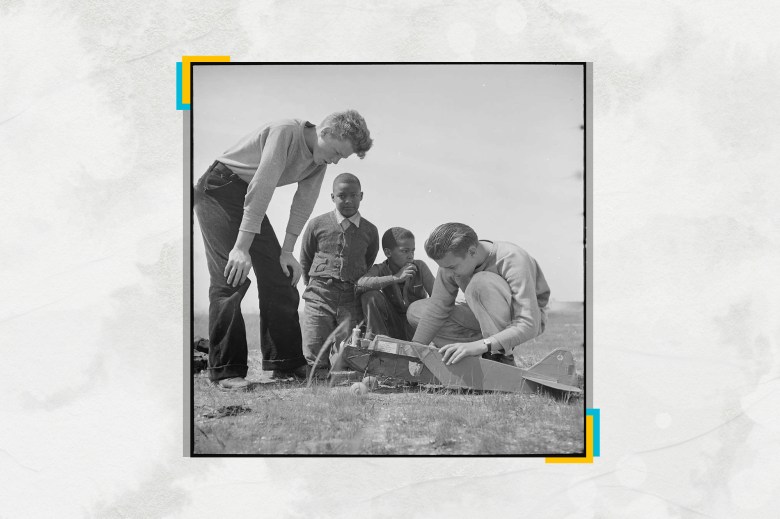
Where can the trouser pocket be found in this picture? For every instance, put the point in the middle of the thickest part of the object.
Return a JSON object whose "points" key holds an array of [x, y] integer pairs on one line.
{"points": [[218, 178]]}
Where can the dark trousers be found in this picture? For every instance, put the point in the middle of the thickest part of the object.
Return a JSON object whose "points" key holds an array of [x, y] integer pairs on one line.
{"points": [[219, 206], [383, 318]]}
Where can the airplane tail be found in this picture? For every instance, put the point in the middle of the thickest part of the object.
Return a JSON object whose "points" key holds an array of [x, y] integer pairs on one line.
{"points": [[556, 370]]}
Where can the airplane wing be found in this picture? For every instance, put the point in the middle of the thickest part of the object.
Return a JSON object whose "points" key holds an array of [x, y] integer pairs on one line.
{"points": [[413, 362]]}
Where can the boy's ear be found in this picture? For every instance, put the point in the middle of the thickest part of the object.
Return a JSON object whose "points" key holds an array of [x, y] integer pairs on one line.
{"points": [[387, 252], [332, 197], [361, 196]]}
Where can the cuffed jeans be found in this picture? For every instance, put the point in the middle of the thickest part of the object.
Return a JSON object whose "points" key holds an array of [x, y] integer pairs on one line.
{"points": [[219, 206], [487, 311], [329, 302]]}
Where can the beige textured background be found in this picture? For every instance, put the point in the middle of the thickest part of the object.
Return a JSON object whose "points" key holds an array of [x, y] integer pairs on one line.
{"points": [[687, 366]]}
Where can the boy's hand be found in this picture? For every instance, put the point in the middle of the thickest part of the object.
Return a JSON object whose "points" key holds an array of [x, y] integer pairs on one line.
{"points": [[405, 273], [452, 353], [288, 262], [238, 266]]}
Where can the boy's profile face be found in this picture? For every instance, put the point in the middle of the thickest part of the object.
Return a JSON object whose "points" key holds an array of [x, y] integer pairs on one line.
{"points": [[347, 197], [401, 254], [459, 266], [330, 150]]}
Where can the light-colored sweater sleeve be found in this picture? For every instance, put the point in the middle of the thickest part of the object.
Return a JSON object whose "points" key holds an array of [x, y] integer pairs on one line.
{"points": [[427, 277], [265, 180], [304, 199], [519, 270], [442, 301]]}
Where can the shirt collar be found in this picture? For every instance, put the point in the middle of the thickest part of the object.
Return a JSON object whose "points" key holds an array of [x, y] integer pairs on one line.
{"points": [[355, 218]]}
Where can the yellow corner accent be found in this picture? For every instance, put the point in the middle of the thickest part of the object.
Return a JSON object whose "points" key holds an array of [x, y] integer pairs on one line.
{"points": [[185, 73], [588, 448]]}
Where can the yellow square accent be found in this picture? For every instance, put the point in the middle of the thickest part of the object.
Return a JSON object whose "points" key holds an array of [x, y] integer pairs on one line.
{"points": [[185, 73], [588, 447]]}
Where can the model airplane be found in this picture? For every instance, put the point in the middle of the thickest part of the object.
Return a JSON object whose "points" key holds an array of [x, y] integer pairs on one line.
{"points": [[414, 362]]}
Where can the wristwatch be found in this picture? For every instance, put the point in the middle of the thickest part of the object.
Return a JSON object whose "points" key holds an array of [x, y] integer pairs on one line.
{"points": [[490, 354]]}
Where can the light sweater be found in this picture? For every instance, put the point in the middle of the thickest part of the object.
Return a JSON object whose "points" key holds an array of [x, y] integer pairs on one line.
{"points": [[529, 289], [276, 155]]}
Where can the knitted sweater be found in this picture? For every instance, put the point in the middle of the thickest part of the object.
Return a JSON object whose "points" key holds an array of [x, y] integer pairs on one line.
{"points": [[530, 295], [328, 251], [276, 155]]}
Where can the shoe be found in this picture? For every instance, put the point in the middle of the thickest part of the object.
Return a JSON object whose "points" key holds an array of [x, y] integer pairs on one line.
{"points": [[233, 383], [321, 373], [300, 373]]}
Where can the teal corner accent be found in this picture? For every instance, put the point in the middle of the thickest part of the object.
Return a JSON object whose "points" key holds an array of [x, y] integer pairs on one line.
{"points": [[179, 104], [596, 414]]}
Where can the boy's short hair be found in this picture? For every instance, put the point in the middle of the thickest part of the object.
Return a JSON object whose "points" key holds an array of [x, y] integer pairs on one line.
{"points": [[392, 235], [450, 237], [346, 178], [349, 125]]}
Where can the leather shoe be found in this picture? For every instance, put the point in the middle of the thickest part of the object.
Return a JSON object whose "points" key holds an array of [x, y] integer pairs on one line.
{"points": [[233, 383]]}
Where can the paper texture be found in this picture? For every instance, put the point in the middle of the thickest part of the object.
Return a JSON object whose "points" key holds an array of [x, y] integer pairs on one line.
{"points": [[686, 332]]}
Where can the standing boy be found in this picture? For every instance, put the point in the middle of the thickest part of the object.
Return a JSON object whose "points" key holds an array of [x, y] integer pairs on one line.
{"points": [[388, 288], [230, 201], [336, 250], [506, 296]]}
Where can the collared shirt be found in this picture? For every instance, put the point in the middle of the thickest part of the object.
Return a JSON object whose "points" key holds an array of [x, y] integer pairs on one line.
{"points": [[330, 251], [344, 221]]}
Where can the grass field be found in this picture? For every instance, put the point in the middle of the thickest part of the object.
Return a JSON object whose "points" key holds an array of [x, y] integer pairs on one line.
{"points": [[290, 418]]}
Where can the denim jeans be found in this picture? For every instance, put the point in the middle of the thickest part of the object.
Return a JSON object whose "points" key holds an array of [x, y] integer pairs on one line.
{"points": [[219, 206], [329, 302]]}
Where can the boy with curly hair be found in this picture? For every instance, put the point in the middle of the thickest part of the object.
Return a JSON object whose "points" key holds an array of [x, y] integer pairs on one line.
{"points": [[230, 201]]}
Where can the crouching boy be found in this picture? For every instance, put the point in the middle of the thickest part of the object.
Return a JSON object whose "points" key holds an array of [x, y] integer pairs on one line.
{"points": [[506, 296], [388, 288], [336, 250]]}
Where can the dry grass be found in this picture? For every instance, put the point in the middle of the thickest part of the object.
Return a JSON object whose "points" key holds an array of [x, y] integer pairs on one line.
{"points": [[289, 418]]}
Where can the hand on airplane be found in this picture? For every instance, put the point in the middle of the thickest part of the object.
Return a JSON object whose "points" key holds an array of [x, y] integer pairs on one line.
{"points": [[453, 353]]}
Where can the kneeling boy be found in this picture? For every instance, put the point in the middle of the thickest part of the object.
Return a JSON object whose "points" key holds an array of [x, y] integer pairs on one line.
{"points": [[336, 250], [388, 288]]}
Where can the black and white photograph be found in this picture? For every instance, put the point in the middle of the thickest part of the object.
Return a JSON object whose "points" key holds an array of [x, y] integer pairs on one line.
{"points": [[388, 259]]}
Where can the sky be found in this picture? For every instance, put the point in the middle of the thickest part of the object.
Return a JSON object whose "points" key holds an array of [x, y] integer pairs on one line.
{"points": [[498, 147]]}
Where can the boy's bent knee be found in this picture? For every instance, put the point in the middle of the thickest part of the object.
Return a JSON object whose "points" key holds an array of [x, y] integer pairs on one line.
{"points": [[373, 299], [482, 282], [415, 311]]}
